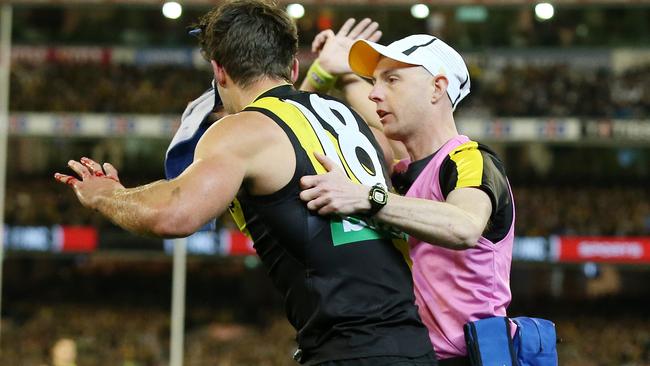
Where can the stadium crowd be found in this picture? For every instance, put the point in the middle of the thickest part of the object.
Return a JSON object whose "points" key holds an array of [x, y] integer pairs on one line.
{"points": [[110, 335], [100, 88], [233, 319], [523, 91], [560, 91], [543, 211], [116, 312], [64, 310]]}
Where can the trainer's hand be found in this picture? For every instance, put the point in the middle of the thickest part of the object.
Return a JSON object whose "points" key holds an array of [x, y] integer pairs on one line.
{"points": [[333, 48], [333, 192], [95, 182]]}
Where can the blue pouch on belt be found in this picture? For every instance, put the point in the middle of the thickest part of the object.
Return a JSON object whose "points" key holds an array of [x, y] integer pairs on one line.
{"points": [[489, 342], [535, 342]]}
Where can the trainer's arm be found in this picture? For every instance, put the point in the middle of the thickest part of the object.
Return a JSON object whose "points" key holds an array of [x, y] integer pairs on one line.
{"points": [[457, 223], [173, 208]]}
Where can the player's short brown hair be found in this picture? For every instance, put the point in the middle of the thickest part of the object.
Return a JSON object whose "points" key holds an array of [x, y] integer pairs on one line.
{"points": [[251, 39]]}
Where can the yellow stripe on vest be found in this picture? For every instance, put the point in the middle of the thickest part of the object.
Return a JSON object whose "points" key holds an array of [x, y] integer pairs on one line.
{"points": [[300, 126], [238, 215], [290, 115], [337, 146], [469, 164]]}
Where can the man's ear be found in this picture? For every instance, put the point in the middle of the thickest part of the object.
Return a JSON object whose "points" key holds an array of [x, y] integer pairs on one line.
{"points": [[440, 84], [219, 73], [295, 70]]}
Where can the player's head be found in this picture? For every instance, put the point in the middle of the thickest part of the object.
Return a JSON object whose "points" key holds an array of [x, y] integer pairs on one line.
{"points": [[251, 40]]}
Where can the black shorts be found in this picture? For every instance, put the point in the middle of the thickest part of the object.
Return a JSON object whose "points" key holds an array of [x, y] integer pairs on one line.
{"points": [[428, 359], [455, 361]]}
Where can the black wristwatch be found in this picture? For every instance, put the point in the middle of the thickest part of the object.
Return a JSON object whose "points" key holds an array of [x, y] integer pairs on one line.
{"points": [[378, 197]]}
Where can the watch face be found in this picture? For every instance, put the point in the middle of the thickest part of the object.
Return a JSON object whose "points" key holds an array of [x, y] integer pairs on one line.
{"points": [[379, 196]]}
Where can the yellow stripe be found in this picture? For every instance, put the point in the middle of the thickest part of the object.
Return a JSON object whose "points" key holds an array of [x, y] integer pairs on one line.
{"points": [[335, 142], [300, 126], [469, 165], [309, 141], [305, 134], [238, 215]]}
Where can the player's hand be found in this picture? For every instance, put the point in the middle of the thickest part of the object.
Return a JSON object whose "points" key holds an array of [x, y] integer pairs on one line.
{"points": [[95, 181], [333, 192], [333, 48]]}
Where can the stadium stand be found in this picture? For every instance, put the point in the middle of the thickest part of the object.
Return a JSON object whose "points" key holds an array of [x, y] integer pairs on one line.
{"points": [[523, 91], [565, 103]]}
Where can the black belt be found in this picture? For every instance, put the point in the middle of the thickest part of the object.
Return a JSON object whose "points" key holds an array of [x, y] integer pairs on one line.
{"points": [[455, 361]]}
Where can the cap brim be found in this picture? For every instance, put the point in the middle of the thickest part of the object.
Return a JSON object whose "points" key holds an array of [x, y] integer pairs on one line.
{"points": [[364, 57]]}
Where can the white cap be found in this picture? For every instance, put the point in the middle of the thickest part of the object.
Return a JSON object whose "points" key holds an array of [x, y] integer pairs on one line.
{"points": [[421, 49]]}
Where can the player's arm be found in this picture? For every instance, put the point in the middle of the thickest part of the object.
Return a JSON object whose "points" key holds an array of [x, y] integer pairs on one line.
{"points": [[177, 207]]}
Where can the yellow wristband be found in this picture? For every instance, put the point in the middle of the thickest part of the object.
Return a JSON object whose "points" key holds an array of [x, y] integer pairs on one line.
{"points": [[320, 79]]}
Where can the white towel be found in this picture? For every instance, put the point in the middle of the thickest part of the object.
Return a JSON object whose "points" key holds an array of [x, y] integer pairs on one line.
{"points": [[194, 123]]}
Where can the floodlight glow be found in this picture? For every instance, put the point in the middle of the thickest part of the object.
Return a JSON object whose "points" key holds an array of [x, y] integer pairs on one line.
{"points": [[544, 11], [172, 10], [295, 11], [419, 11]]}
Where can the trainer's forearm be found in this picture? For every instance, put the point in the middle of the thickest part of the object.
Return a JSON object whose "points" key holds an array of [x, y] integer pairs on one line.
{"points": [[306, 85], [145, 210], [437, 223]]}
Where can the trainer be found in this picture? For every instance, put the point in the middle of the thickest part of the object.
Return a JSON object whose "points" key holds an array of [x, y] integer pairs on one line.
{"points": [[347, 289], [457, 205]]}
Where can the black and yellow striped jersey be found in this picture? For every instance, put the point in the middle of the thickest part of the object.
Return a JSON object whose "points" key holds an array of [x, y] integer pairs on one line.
{"points": [[347, 288]]}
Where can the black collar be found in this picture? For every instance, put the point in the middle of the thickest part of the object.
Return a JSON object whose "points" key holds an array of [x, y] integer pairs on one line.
{"points": [[277, 91]]}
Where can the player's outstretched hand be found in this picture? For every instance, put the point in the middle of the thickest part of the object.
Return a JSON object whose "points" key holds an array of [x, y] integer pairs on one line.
{"points": [[95, 181], [333, 192], [333, 49]]}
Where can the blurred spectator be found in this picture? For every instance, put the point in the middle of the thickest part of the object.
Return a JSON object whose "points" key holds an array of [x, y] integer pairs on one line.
{"points": [[64, 352]]}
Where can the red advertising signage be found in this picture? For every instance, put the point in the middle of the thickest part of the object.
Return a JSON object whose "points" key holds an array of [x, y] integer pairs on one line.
{"points": [[602, 249], [75, 239], [234, 242]]}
